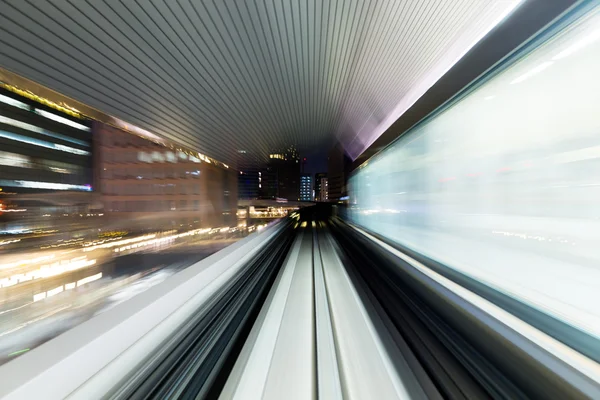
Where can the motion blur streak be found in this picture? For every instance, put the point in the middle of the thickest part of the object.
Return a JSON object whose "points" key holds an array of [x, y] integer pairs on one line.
{"points": [[459, 262], [502, 184], [62, 120]]}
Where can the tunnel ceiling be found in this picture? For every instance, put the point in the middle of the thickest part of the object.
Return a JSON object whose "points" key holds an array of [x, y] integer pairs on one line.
{"points": [[223, 76]]}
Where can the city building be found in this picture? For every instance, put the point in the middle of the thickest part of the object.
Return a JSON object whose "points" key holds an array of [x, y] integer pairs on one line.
{"points": [[146, 185], [250, 181], [63, 170], [45, 163], [339, 167], [281, 177], [306, 187], [318, 186], [43, 146], [321, 187], [269, 187]]}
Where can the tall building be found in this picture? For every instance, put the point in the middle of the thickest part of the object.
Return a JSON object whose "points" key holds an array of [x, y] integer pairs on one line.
{"points": [[269, 188], [250, 181], [43, 146], [306, 187], [339, 167], [321, 187], [324, 189], [63, 170], [282, 175], [45, 163], [146, 184]]}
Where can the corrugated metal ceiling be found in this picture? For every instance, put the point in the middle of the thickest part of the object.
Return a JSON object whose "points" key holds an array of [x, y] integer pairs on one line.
{"points": [[221, 76]]}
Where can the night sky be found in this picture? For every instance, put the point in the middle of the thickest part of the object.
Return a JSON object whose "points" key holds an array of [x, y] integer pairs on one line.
{"points": [[316, 161]]}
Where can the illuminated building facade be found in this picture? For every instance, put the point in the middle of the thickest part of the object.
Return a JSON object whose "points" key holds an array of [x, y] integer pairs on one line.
{"points": [[281, 177], [45, 163], [151, 185], [63, 170], [306, 189], [42, 148], [321, 187]]}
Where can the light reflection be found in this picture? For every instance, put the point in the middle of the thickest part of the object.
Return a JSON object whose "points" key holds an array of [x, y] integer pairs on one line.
{"points": [[47, 271], [73, 277]]}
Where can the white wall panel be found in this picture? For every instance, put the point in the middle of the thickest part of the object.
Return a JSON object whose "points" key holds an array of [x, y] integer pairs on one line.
{"points": [[505, 183]]}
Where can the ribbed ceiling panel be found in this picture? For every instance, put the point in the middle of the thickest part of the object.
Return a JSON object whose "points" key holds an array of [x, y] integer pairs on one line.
{"points": [[221, 76]]}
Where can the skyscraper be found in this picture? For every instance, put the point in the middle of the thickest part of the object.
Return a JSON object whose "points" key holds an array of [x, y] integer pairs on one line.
{"points": [[250, 180], [282, 175], [339, 166]]}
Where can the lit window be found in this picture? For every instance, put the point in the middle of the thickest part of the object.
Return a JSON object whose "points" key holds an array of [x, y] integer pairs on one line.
{"points": [[62, 120], [44, 185], [13, 102], [37, 129], [42, 143], [14, 160]]}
